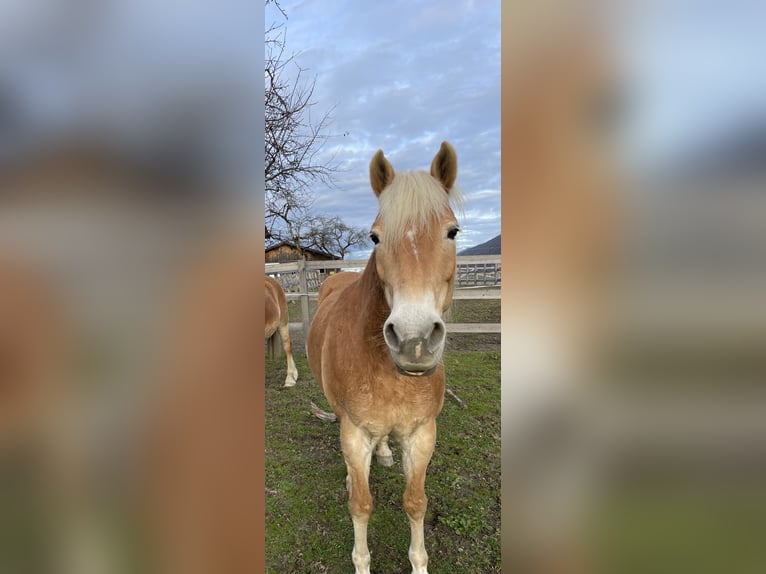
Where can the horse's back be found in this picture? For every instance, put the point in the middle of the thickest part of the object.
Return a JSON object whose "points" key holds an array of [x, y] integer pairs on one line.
{"points": [[337, 282], [329, 292]]}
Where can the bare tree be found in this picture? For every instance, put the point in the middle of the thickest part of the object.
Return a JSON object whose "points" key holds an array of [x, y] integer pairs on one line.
{"points": [[293, 163], [332, 236], [293, 140]]}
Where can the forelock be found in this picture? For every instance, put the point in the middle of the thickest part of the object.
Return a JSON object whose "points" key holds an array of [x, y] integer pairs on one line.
{"points": [[412, 200]]}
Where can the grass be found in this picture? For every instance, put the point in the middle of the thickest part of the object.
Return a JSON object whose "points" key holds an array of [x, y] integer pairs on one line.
{"points": [[24, 544], [672, 530], [308, 528]]}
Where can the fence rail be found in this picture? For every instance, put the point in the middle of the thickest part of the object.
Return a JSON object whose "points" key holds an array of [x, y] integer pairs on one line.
{"points": [[478, 277]]}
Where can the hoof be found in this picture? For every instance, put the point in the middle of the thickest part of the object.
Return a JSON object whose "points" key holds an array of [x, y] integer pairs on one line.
{"points": [[385, 460], [289, 383]]}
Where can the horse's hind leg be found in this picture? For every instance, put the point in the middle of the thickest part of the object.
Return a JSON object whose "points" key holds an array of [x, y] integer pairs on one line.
{"points": [[416, 454], [357, 450], [383, 454], [292, 370]]}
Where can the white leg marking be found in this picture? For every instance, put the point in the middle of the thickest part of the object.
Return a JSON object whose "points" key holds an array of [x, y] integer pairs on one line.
{"points": [[292, 372], [416, 454], [357, 450]]}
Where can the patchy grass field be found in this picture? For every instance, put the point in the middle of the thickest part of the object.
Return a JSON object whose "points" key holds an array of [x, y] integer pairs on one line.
{"points": [[683, 528], [308, 528]]}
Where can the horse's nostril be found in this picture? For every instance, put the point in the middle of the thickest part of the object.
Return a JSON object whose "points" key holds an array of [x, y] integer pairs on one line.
{"points": [[437, 335], [389, 334]]}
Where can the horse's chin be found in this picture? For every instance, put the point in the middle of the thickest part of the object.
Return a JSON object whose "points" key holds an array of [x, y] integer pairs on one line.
{"points": [[418, 373]]}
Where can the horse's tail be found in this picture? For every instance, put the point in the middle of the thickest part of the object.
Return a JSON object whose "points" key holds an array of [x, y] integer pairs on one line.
{"points": [[322, 415]]}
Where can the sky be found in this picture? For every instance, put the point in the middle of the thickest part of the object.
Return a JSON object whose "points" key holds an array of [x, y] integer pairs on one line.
{"points": [[147, 75], [400, 76], [695, 72], [403, 76]]}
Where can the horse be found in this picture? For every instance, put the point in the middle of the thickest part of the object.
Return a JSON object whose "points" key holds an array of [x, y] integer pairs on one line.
{"points": [[560, 218], [204, 437], [277, 320], [336, 282], [376, 342], [40, 414], [32, 355]]}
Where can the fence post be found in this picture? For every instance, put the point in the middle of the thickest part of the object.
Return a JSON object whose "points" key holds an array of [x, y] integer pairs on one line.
{"points": [[304, 297]]}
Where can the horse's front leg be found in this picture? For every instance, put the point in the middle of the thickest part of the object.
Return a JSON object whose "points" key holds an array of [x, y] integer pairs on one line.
{"points": [[357, 447], [416, 454]]}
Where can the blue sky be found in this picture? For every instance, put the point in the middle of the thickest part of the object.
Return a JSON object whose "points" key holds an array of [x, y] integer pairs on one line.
{"points": [[402, 76], [695, 69], [135, 72]]}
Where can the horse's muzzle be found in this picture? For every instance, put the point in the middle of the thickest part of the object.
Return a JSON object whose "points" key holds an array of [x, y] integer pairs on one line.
{"points": [[416, 356], [415, 337]]}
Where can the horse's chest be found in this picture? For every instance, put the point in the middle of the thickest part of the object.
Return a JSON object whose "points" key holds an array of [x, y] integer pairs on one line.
{"points": [[383, 411]]}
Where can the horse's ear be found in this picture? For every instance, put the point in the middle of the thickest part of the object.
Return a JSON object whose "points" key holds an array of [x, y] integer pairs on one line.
{"points": [[381, 172], [444, 166]]}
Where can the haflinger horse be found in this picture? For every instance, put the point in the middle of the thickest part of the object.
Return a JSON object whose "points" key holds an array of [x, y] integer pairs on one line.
{"points": [[560, 233], [203, 445], [31, 352], [40, 415], [277, 320], [376, 342]]}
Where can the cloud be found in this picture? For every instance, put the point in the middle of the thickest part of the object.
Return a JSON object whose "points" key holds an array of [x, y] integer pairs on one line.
{"points": [[133, 74], [403, 76]]}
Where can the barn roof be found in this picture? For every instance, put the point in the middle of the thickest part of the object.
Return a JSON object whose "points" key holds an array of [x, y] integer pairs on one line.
{"points": [[306, 249]]}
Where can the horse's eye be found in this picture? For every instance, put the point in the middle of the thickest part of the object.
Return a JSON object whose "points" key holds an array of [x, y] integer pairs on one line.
{"points": [[452, 233], [374, 238]]}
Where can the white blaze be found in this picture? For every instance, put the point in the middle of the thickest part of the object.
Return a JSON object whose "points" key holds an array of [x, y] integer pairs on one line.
{"points": [[414, 244]]}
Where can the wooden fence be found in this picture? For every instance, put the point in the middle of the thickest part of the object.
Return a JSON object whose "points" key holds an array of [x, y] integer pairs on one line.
{"points": [[478, 277]]}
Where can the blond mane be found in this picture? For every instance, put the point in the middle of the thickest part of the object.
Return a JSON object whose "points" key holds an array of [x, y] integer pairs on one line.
{"points": [[412, 201]]}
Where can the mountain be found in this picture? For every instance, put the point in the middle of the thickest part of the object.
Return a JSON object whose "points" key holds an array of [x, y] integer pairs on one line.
{"points": [[491, 247]]}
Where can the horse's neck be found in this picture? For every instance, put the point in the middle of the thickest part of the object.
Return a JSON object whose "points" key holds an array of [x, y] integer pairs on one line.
{"points": [[373, 307]]}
